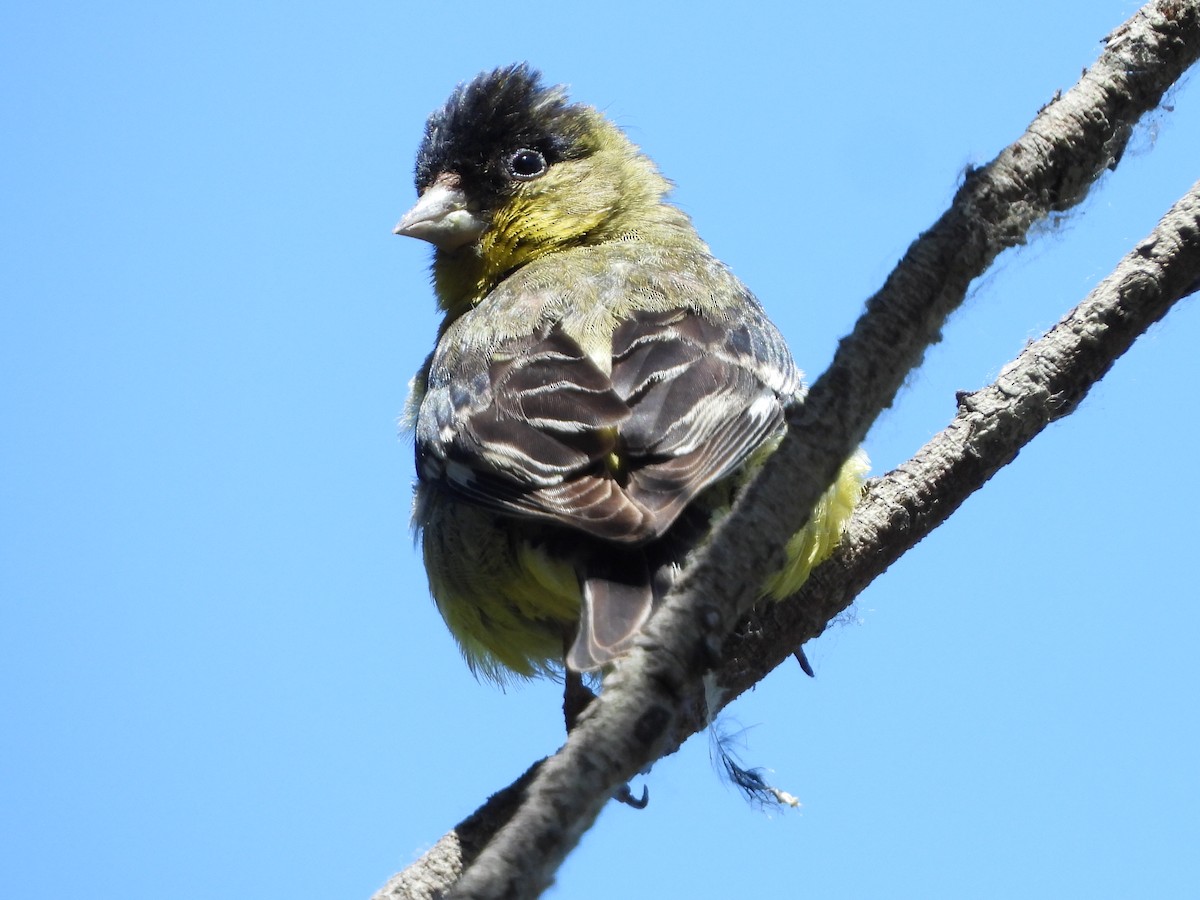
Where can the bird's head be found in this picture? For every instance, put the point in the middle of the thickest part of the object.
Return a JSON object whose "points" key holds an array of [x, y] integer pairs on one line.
{"points": [[509, 170]]}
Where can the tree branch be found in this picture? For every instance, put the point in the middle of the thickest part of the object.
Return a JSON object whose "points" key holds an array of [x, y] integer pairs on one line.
{"points": [[1046, 382], [650, 703]]}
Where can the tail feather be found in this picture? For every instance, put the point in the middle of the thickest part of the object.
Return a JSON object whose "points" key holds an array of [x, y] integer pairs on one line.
{"points": [[615, 607]]}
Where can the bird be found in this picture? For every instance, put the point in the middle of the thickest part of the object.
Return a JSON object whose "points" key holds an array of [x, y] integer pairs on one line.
{"points": [[601, 388]]}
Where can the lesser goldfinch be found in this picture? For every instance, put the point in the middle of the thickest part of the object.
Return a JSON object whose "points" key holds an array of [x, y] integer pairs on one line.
{"points": [[601, 388]]}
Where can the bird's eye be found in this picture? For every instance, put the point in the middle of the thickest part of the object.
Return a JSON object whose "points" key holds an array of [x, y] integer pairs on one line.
{"points": [[526, 164]]}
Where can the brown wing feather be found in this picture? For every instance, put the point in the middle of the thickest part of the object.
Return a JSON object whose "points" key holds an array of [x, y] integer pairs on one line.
{"points": [[697, 409], [545, 432], [533, 438]]}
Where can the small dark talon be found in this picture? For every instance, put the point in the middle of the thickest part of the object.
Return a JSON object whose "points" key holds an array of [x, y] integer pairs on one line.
{"points": [[804, 663], [625, 796]]}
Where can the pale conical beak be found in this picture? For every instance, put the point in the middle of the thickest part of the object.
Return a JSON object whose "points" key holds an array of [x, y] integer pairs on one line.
{"points": [[442, 217]]}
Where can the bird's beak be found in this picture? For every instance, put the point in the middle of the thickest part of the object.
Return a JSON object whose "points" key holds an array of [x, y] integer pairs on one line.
{"points": [[442, 217]]}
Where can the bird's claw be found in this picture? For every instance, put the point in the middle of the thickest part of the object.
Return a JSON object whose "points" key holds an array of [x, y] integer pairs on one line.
{"points": [[624, 795]]}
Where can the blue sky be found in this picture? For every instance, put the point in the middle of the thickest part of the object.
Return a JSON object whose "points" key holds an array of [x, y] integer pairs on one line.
{"points": [[221, 672]]}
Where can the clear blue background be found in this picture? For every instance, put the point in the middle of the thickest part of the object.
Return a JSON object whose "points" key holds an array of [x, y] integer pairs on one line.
{"points": [[221, 672]]}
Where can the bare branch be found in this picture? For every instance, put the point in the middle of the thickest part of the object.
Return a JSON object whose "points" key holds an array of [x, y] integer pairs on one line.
{"points": [[1046, 382], [432, 876]]}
